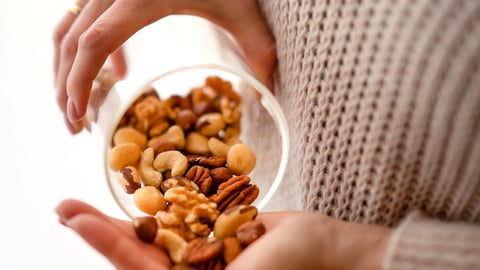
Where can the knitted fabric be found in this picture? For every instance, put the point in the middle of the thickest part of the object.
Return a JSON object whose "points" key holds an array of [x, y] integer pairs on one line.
{"points": [[383, 102]]}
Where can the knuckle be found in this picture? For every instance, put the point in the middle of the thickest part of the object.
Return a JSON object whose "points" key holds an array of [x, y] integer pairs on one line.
{"points": [[91, 38], [58, 34], [69, 45]]}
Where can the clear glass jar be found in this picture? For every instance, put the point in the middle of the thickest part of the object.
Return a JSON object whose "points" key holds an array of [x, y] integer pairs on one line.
{"points": [[175, 69]]}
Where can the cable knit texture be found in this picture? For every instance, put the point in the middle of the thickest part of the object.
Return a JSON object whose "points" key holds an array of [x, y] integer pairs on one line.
{"points": [[383, 102]]}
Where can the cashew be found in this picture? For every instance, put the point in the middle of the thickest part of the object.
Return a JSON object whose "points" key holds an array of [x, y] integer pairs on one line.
{"points": [[174, 135], [149, 200], [197, 143], [129, 134], [210, 124], [241, 159], [217, 147], [123, 155], [150, 176], [173, 242], [171, 160]]}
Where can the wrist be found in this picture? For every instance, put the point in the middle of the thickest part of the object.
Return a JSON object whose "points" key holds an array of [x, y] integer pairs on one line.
{"points": [[365, 247]]}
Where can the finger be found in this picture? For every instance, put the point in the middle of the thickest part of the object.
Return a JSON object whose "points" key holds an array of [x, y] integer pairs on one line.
{"points": [[288, 241], [119, 63], [74, 127], [257, 43], [58, 37], [105, 35], [69, 208], [69, 46], [245, 22], [60, 31], [258, 255], [123, 251], [273, 219]]}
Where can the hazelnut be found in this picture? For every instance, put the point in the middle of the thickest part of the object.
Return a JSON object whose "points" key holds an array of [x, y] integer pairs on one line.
{"points": [[149, 200], [145, 228]]}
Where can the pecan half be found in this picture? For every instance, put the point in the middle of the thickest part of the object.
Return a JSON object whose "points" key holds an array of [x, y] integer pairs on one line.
{"points": [[231, 249], [219, 175], [237, 190], [250, 231], [206, 161], [200, 250], [200, 176]]}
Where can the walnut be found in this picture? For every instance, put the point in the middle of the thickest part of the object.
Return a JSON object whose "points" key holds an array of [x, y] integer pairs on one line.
{"points": [[190, 213], [149, 111], [200, 176]]}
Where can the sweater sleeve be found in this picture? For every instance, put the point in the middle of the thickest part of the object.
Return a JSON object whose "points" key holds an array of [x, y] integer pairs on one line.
{"points": [[421, 243]]}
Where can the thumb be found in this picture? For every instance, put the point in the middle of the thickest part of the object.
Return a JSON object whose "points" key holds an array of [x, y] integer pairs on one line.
{"points": [[267, 252], [255, 40], [244, 21], [119, 63]]}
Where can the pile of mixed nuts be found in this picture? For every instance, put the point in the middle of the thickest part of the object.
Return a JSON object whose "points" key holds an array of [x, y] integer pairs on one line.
{"points": [[182, 160]]}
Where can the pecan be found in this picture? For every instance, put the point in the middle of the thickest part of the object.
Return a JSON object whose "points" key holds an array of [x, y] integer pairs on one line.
{"points": [[205, 161], [183, 266], [237, 190], [219, 175], [203, 107], [186, 119], [200, 176], [214, 264], [245, 196], [231, 249], [212, 162], [200, 250], [193, 159], [250, 231]]}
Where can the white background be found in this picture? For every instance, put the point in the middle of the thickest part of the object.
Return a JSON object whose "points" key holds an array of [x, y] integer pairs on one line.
{"points": [[40, 162]]}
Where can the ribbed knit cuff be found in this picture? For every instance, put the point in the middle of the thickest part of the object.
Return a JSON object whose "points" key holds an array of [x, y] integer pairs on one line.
{"points": [[423, 243]]}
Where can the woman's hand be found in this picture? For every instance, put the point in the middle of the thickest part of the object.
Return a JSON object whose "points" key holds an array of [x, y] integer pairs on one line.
{"points": [[299, 240], [83, 43], [294, 240], [113, 238]]}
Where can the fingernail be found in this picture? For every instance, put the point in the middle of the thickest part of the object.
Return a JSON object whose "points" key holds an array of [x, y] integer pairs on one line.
{"points": [[74, 127], [72, 111], [61, 219]]}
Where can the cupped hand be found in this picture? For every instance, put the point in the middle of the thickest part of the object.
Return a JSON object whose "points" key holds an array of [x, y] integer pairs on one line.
{"points": [[113, 238], [83, 43], [300, 240]]}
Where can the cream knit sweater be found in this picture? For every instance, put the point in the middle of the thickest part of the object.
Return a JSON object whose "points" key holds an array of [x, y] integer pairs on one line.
{"points": [[383, 102]]}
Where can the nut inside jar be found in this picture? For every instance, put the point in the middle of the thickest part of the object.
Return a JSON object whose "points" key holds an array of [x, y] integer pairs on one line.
{"points": [[190, 165]]}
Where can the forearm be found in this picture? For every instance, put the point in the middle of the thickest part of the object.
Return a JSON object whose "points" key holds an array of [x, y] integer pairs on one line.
{"points": [[424, 243]]}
